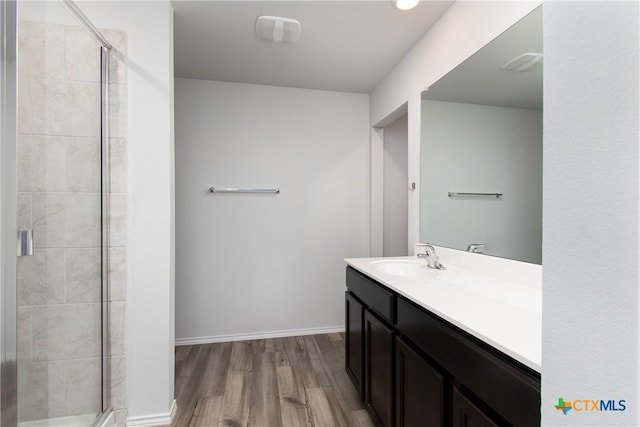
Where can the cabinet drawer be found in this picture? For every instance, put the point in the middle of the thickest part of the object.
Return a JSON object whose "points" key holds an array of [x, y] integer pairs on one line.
{"points": [[377, 298], [499, 382]]}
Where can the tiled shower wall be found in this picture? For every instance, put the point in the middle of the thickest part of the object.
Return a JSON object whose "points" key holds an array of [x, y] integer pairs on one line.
{"points": [[59, 292]]}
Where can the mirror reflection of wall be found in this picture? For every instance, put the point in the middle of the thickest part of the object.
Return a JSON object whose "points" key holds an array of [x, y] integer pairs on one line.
{"points": [[395, 204], [481, 132]]}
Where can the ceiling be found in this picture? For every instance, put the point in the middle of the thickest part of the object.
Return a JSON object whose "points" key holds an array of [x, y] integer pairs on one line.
{"points": [[481, 79], [345, 46]]}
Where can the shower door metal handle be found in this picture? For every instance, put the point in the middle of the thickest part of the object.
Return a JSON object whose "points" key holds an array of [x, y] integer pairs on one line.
{"points": [[25, 242]]}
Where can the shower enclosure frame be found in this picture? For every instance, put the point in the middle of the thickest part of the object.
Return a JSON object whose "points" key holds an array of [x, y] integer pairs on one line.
{"points": [[8, 204]]}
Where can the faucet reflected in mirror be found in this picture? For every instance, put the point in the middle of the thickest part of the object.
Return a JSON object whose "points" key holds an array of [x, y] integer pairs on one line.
{"points": [[481, 135], [476, 248]]}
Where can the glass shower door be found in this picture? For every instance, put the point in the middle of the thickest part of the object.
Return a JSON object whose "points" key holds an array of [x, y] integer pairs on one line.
{"points": [[59, 276]]}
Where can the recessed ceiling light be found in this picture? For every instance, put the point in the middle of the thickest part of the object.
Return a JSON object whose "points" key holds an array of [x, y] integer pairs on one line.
{"points": [[405, 4]]}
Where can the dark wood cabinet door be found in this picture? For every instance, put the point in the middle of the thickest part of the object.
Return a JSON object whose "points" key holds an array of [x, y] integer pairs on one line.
{"points": [[379, 369], [354, 341], [419, 390], [466, 414]]}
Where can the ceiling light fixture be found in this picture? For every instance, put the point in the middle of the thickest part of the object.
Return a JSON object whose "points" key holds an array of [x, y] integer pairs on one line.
{"points": [[277, 30], [405, 4], [524, 62]]}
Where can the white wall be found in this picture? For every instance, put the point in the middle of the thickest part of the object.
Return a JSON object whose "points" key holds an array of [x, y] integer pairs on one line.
{"points": [[497, 149], [395, 191], [465, 28], [590, 199], [149, 215], [254, 265]]}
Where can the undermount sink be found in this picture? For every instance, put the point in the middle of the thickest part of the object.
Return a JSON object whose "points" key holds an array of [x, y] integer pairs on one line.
{"points": [[401, 268]]}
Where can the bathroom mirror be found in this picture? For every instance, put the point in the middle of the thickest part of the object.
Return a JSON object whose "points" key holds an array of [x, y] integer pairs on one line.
{"points": [[481, 149]]}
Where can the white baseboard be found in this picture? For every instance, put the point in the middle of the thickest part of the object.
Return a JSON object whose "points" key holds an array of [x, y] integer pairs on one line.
{"points": [[155, 419], [257, 336]]}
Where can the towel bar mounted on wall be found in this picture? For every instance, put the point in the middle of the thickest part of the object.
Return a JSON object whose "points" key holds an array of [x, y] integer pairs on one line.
{"points": [[274, 190], [455, 194]]}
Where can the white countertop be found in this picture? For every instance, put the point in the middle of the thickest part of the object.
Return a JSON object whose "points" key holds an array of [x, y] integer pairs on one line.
{"points": [[506, 313]]}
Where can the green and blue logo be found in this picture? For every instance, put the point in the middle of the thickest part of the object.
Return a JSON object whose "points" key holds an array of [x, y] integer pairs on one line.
{"points": [[590, 405]]}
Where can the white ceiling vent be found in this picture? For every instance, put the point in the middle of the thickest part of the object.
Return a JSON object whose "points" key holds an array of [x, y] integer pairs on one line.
{"points": [[524, 62], [278, 30]]}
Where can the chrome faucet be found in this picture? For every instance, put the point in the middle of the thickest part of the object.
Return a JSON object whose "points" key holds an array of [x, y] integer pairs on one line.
{"points": [[430, 256]]}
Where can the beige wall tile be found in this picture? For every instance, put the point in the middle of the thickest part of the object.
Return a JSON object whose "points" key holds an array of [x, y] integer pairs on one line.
{"points": [[117, 219], [118, 273], [69, 331], [39, 386], [41, 48], [83, 164], [84, 275], [117, 38], [118, 164], [118, 111], [117, 63], [54, 163], [66, 220], [118, 321], [32, 105], [41, 278], [24, 211], [41, 163], [24, 334], [83, 386], [121, 417], [81, 55], [118, 385], [72, 108]]}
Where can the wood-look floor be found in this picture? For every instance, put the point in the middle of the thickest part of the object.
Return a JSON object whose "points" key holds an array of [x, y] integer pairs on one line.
{"points": [[288, 382]]}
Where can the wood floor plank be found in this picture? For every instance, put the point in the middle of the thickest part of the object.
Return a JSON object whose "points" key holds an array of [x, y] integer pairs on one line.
{"points": [[182, 352], [294, 346], [314, 370], [280, 350], [337, 337], [360, 418], [193, 362], [323, 408], [186, 399], [241, 356], [328, 352], [207, 409], [265, 403], [293, 398], [257, 346], [214, 374], [235, 404]]}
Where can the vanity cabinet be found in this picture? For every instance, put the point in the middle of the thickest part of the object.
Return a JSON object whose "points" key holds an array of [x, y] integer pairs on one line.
{"points": [[369, 340], [420, 390], [379, 366], [354, 341], [466, 414], [419, 370]]}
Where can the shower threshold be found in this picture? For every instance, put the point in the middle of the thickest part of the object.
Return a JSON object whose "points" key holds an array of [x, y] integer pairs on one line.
{"points": [[84, 420]]}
